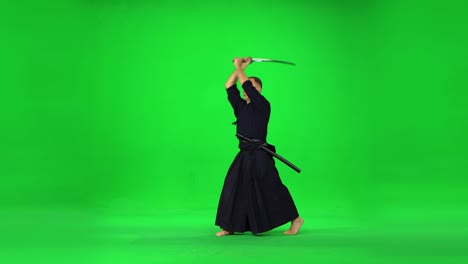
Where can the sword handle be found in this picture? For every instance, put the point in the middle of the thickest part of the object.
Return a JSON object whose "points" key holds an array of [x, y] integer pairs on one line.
{"points": [[252, 60]]}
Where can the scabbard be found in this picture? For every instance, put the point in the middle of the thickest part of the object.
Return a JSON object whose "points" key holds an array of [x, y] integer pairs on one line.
{"points": [[285, 161]]}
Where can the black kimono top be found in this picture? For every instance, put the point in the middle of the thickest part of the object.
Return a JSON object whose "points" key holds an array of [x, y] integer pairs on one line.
{"points": [[252, 118]]}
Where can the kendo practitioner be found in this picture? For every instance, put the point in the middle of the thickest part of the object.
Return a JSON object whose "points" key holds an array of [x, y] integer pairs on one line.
{"points": [[253, 197]]}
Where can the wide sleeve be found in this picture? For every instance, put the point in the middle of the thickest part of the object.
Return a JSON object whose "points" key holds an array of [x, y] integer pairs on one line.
{"points": [[256, 99], [234, 97]]}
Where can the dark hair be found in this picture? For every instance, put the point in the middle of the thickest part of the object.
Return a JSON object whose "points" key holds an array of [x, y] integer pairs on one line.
{"points": [[257, 80]]}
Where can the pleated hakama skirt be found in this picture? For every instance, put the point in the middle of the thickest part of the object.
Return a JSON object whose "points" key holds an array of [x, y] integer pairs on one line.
{"points": [[253, 197]]}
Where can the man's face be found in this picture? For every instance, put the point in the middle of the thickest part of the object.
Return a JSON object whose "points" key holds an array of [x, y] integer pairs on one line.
{"points": [[257, 87]]}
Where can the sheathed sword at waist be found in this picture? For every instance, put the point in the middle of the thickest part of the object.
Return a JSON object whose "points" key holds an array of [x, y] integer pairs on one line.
{"points": [[285, 161]]}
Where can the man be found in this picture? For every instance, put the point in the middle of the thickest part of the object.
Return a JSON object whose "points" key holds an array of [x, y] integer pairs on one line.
{"points": [[253, 197]]}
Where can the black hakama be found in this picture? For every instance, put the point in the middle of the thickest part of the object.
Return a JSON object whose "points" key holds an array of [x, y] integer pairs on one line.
{"points": [[253, 197]]}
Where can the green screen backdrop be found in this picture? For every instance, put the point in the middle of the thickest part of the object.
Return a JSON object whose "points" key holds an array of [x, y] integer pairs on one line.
{"points": [[114, 107]]}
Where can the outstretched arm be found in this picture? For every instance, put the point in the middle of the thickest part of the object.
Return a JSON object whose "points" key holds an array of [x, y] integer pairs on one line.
{"points": [[249, 89], [235, 74], [241, 64], [231, 80], [231, 88]]}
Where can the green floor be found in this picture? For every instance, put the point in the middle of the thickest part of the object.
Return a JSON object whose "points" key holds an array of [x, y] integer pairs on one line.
{"points": [[63, 236]]}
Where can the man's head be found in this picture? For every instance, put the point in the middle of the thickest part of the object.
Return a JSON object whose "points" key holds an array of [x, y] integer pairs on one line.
{"points": [[257, 83]]}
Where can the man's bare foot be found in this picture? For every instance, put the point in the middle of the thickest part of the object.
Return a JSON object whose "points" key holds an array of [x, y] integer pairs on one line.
{"points": [[223, 233], [295, 226]]}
